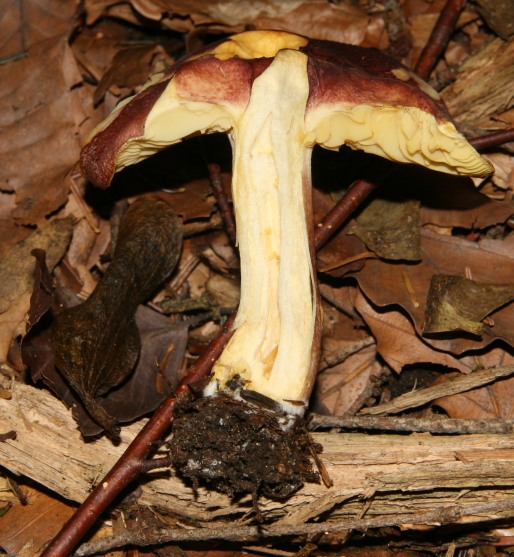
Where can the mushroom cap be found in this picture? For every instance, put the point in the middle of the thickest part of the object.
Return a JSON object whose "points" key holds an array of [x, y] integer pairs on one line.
{"points": [[357, 96]]}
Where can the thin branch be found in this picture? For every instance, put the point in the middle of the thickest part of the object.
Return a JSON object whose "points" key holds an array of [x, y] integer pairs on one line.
{"points": [[358, 192], [158, 536], [454, 385], [439, 37], [221, 198], [493, 139]]}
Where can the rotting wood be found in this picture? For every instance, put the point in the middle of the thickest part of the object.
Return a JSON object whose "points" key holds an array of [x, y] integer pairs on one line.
{"points": [[386, 475]]}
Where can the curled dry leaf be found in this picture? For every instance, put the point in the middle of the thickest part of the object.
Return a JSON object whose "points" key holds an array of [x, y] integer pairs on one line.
{"points": [[394, 332], [17, 266], [459, 304], [129, 68], [96, 344]]}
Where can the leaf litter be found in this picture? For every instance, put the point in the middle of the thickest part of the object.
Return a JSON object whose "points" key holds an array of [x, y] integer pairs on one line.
{"points": [[62, 76]]}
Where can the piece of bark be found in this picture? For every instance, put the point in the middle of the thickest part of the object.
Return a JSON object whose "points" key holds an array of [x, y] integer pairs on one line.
{"points": [[387, 473], [483, 86]]}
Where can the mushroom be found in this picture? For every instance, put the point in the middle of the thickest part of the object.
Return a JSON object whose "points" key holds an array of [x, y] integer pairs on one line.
{"points": [[277, 95]]}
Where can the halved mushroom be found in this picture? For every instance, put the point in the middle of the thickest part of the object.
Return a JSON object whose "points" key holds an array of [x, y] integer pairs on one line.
{"points": [[278, 94]]}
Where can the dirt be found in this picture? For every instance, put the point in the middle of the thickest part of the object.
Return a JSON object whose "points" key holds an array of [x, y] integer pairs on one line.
{"points": [[239, 447]]}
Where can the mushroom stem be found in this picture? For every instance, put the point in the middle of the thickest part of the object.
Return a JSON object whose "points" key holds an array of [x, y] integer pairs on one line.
{"points": [[274, 348]]}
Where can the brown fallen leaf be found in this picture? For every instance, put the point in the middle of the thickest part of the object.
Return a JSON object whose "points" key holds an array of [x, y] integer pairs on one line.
{"points": [[130, 68], [163, 345], [460, 304], [34, 524], [17, 266], [42, 113], [32, 22], [315, 18], [397, 340], [348, 364]]}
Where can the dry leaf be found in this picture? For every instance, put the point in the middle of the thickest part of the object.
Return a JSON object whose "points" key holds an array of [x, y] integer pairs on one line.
{"points": [[96, 344], [35, 523], [318, 19], [31, 21], [16, 276], [39, 121], [17, 266], [397, 341]]}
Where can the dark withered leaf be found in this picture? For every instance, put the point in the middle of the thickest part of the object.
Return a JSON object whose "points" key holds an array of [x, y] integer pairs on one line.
{"points": [[156, 373], [459, 304], [96, 344], [391, 229]]}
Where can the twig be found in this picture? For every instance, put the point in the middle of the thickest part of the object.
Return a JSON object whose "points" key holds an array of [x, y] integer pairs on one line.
{"points": [[445, 515], [493, 139], [131, 463], [83, 206], [353, 198], [452, 386], [431, 425], [222, 201], [439, 37]]}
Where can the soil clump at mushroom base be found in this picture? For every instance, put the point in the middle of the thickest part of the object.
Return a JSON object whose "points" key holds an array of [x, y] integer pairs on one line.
{"points": [[239, 447]]}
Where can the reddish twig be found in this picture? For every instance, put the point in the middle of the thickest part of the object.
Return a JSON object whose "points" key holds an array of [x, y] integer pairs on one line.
{"points": [[493, 139], [227, 214], [439, 37], [357, 193], [132, 463]]}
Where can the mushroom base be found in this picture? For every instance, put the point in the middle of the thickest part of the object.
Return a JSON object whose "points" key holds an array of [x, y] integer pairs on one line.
{"points": [[238, 447]]}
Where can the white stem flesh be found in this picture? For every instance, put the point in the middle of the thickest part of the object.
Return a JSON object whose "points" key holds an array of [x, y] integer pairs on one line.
{"points": [[273, 348]]}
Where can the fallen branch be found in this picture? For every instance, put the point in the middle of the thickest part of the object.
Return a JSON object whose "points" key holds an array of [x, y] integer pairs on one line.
{"points": [[447, 515]]}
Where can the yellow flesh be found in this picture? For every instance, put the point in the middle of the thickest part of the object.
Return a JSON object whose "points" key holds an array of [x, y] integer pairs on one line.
{"points": [[258, 44], [398, 133], [271, 348]]}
